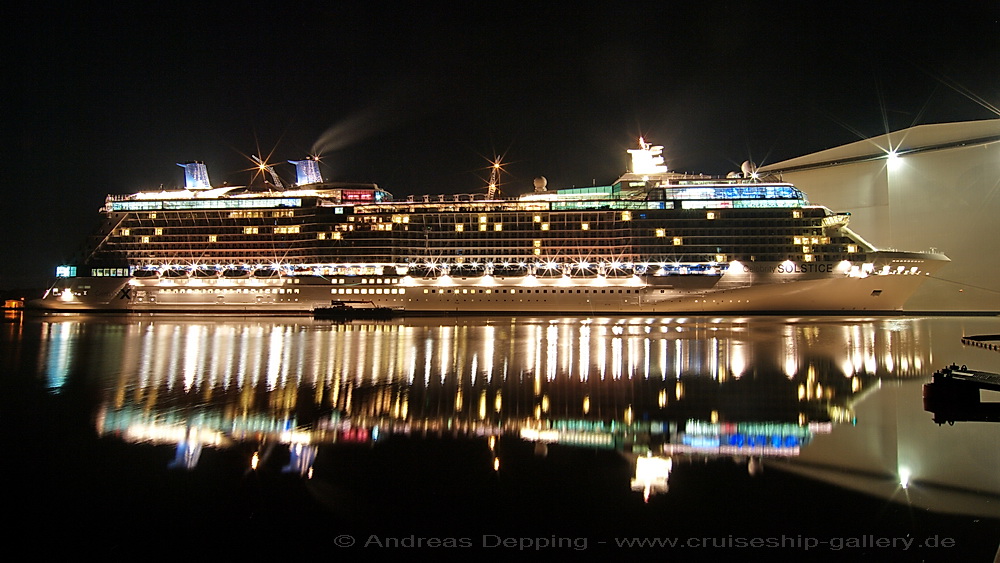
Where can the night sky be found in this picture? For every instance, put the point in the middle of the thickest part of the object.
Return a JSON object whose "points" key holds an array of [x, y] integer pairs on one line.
{"points": [[418, 96]]}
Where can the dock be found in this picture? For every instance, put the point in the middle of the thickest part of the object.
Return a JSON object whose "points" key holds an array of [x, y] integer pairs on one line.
{"points": [[988, 341]]}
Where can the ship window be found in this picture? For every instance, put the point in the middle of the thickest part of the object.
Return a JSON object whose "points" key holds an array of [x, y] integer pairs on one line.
{"points": [[145, 239], [545, 226], [482, 227], [626, 215], [152, 215], [661, 232], [124, 232], [459, 227], [320, 236], [678, 241], [498, 227], [710, 215], [158, 231], [584, 226], [249, 230]]}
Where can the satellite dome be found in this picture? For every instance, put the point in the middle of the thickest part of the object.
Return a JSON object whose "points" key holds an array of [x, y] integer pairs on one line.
{"points": [[748, 168], [540, 183]]}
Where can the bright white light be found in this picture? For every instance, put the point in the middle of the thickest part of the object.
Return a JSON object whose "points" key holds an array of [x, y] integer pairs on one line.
{"points": [[904, 477], [647, 159]]}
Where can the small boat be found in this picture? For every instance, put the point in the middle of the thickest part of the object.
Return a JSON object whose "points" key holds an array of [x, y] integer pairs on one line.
{"points": [[349, 310]]}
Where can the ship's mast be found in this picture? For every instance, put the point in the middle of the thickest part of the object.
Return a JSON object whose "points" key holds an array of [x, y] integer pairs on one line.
{"points": [[270, 170], [494, 186]]}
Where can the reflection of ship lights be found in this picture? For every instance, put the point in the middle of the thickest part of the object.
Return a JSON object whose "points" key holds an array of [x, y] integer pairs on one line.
{"points": [[651, 475], [904, 477]]}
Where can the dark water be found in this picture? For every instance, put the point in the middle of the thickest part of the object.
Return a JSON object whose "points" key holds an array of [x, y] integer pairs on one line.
{"points": [[799, 438]]}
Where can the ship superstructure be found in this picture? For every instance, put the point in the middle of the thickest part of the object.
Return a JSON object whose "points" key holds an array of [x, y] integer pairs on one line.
{"points": [[653, 241]]}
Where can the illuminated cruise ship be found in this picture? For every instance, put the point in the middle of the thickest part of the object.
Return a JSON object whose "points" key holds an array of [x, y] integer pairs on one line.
{"points": [[654, 241]]}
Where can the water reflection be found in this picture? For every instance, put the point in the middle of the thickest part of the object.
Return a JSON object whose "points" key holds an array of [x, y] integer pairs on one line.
{"points": [[663, 392]]}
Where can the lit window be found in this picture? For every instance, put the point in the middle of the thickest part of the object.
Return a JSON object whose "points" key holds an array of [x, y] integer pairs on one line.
{"points": [[152, 215], [336, 236], [545, 226], [459, 227], [537, 251], [584, 226], [661, 232], [158, 231], [807, 258], [124, 232], [482, 218], [852, 248], [482, 227], [498, 227], [321, 236], [678, 241], [213, 238], [536, 243], [249, 230], [710, 215], [537, 218], [145, 239], [796, 214], [626, 215]]}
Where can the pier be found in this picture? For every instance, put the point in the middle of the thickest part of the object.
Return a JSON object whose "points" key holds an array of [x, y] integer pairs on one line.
{"points": [[988, 341]]}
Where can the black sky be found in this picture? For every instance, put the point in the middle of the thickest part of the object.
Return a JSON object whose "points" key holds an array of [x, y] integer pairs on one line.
{"points": [[416, 96]]}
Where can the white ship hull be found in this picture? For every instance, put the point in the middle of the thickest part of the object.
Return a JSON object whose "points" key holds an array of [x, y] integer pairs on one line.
{"points": [[766, 287]]}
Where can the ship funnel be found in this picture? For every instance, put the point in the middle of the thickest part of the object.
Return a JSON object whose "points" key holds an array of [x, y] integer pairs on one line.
{"points": [[647, 158], [307, 171], [195, 175]]}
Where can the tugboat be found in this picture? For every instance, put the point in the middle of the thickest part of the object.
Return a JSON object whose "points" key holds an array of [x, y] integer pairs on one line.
{"points": [[350, 310], [953, 395]]}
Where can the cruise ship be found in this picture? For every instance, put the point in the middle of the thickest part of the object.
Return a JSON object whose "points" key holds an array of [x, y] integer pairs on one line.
{"points": [[654, 241]]}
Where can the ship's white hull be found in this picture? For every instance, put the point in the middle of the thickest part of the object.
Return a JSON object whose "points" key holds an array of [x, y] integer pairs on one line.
{"points": [[762, 288]]}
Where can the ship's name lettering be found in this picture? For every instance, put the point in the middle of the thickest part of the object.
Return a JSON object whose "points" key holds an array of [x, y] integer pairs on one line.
{"points": [[790, 269]]}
